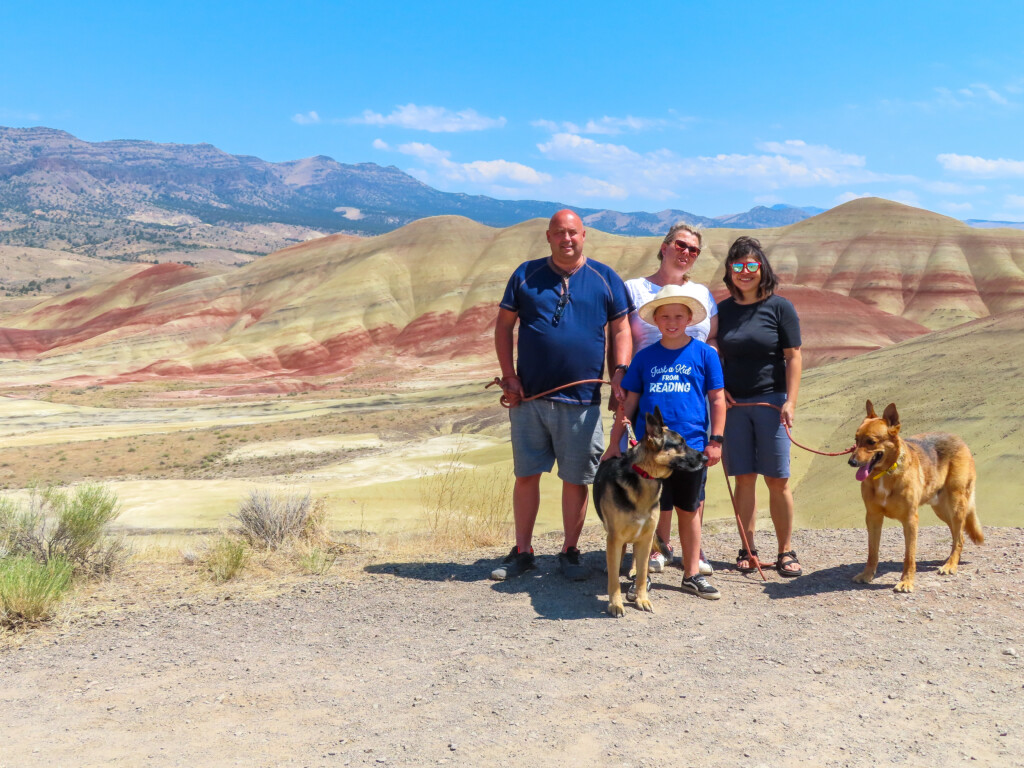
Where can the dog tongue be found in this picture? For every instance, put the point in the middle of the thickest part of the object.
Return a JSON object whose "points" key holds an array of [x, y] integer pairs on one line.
{"points": [[863, 472]]}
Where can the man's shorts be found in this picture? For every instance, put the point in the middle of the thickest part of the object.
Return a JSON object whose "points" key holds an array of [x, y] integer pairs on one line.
{"points": [[545, 430], [684, 490], [756, 442]]}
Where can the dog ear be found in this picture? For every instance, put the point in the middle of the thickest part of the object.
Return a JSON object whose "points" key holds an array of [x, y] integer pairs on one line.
{"points": [[871, 411], [891, 416], [655, 423]]}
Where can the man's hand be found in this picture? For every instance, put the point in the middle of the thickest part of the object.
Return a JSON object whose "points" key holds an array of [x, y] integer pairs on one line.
{"points": [[613, 452], [513, 389], [617, 390]]}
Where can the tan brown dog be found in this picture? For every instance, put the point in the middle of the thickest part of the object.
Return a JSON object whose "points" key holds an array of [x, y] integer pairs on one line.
{"points": [[627, 489], [899, 475]]}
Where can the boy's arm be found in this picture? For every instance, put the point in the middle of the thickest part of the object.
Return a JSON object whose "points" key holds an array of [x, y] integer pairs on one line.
{"points": [[713, 450]]}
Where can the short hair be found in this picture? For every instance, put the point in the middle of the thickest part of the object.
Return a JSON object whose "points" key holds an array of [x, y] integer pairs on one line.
{"points": [[742, 249]]}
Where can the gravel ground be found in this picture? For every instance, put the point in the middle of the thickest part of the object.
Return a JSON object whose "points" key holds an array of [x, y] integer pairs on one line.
{"points": [[429, 663]]}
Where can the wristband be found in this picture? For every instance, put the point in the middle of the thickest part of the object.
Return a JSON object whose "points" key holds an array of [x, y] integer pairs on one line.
{"points": [[720, 439]]}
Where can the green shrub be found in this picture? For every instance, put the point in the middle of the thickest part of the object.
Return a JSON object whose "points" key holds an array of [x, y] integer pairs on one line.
{"points": [[316, 560], [30, 590], [57, 523], [79, 535], [227, 558]]}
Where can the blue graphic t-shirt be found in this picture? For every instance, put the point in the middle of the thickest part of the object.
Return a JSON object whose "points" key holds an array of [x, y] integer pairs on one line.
{"points": [[677, 381]]}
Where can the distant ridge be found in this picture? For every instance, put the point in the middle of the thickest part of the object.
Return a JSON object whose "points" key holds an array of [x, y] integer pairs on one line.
{"points": [[140, 200]]}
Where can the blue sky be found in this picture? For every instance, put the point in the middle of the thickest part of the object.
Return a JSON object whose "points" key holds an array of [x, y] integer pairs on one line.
{"points": [[710, 107]]}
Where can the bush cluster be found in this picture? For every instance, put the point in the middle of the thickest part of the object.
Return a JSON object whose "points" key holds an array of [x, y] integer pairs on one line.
{"points": [[58, 535]]}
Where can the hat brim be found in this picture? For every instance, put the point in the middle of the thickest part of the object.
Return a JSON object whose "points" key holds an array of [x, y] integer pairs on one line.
{"points": [[697, 311]]}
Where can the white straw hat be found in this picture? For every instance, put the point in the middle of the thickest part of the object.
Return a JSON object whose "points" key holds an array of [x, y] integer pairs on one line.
{"points": [[674, 294]]}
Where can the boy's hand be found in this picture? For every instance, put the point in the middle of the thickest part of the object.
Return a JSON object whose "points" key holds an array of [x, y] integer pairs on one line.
{"points": [[713, 451]]}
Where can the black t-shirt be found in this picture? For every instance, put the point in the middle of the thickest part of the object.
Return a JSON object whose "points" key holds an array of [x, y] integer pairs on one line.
{"points": [[751, 338]]}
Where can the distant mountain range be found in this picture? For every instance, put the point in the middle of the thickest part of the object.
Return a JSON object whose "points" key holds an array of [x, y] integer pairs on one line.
{"points": [[139, 200]]}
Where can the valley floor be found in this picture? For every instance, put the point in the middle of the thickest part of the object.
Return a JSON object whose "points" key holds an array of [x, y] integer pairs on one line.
{"points": [[398, 660]]}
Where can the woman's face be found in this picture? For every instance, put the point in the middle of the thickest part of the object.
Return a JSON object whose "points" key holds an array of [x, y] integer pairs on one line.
{"points": [[748, 279], [682, 252]]}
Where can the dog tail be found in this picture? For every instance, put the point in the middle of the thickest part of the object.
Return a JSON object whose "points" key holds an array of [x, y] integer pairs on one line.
{"points": [[972, 525]]}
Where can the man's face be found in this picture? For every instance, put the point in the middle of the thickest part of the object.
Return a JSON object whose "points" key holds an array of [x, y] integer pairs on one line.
{"points": [[565, 236]]}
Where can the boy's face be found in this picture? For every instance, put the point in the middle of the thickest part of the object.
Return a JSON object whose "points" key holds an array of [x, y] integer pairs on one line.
{"points": [[672, 320]]}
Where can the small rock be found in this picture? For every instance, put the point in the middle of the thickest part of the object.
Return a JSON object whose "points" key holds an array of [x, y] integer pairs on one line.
{"points": [[1011, 651]]}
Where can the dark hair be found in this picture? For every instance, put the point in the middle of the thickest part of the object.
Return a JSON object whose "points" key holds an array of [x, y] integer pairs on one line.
{"points": [[743, 249]]}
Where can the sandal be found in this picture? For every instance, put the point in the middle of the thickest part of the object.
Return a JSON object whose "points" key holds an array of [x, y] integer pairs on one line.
{"points": [[750, 557], [780, 566]]}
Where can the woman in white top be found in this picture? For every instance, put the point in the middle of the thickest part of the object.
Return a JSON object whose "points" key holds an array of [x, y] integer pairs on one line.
{"points": [[677, 254]]}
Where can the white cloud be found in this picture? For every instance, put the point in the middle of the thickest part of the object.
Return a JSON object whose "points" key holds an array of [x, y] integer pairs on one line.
{"points": [[660, 174], [848, 196], [433, 119], [952, 188], [381, 144], [427, 152], [980, 166], [957, 209], [608, 126], [589, 187], [1014, 202], [478, 171], [306, 118], [488, 171]]}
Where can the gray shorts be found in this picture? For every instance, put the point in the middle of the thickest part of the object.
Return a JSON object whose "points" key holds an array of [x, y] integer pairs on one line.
{"points": [[545, 430], [756, 442]]}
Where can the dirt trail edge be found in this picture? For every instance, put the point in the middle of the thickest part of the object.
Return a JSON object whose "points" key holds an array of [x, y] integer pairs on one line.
{"points": [[429, 663]]}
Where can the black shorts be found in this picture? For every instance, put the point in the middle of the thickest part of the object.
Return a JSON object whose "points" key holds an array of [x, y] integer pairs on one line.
{"points": [[684, 490]]}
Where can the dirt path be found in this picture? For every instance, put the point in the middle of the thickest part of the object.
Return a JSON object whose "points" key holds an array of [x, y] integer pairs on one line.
{"points": [[414, 664]]}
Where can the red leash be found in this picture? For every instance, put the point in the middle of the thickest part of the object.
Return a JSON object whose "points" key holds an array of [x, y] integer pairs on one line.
{"points": [[732, 498]]}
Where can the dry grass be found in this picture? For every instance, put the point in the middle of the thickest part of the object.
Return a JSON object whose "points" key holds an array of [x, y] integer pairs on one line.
{"points": [[466, 508]]}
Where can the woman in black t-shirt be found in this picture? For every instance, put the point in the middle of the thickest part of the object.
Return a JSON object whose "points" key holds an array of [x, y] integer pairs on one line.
{"points": [[759, 343]]}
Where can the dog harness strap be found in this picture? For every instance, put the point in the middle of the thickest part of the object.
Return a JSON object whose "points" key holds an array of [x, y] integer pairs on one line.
{"points": [[641, 472]]}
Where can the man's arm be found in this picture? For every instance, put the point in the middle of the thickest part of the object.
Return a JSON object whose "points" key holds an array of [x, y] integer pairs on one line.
{"points": [[620, 351], [504, 330]]}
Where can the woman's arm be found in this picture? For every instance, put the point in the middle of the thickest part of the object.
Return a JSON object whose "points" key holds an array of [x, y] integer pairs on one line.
{"points": [[713, 450], [794, 367]]}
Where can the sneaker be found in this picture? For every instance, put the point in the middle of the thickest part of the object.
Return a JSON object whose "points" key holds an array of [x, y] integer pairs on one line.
{"points": [[657, 564], [704, 568], [516, 563], [701, 587], [572, 566], [631, 592]]}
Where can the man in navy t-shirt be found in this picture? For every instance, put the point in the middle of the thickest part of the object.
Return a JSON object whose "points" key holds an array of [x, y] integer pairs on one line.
{"points": [[562, 303]]}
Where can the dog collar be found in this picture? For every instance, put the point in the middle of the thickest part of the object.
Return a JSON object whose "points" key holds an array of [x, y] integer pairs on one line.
{"points": [[641, 472], [888, 471]]}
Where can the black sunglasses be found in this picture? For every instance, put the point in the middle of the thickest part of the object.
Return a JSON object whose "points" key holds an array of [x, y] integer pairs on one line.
{"points": [[563, 301]]}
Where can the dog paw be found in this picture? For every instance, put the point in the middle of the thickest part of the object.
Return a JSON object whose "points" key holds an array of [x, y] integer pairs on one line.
{"points": [[947, 570], [904, 585], [864, 577], [616, 610], [644, 604]]}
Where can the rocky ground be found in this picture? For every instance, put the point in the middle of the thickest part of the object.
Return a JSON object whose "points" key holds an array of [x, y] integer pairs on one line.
{"points": [[393, 661]]}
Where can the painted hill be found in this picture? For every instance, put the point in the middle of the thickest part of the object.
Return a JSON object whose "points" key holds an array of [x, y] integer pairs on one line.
{"points": [[419, 302]]}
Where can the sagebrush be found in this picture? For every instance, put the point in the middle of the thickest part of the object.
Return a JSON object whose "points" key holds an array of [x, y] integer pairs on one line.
{"points": [[267, 519], [58, 523], [227, 558]]}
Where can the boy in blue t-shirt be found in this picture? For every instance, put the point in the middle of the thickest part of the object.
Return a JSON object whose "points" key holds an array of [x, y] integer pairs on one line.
{"points": [[676, 374]]}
